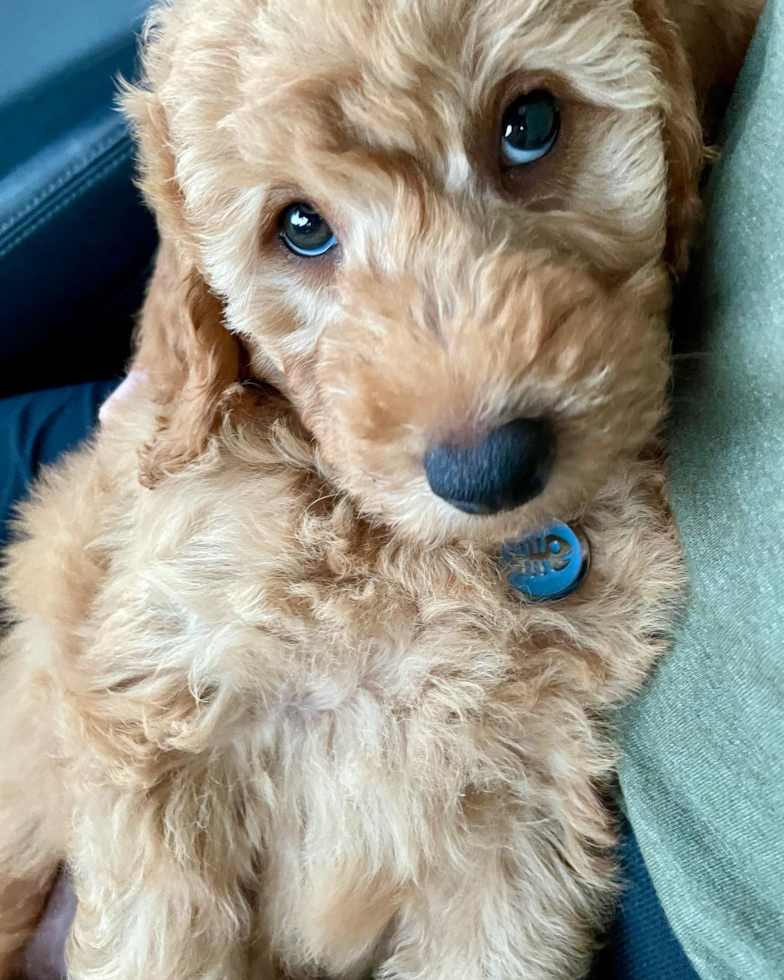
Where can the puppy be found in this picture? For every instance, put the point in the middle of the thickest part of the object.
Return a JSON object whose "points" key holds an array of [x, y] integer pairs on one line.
{"points": [[266, 688]]}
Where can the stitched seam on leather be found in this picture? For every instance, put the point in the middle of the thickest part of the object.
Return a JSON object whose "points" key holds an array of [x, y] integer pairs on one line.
{"points": [[104, 145], [116, 160]]}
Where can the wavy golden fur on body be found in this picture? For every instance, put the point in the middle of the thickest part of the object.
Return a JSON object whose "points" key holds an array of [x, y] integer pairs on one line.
{"points": [[267, 695]]}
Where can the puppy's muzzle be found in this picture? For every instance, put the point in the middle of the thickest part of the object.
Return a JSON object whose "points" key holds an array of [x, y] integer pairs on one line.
{"points": [[506, 469]]}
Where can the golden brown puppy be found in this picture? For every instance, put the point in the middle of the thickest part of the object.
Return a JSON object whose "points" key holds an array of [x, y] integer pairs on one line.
{"points": [[265, 688]]}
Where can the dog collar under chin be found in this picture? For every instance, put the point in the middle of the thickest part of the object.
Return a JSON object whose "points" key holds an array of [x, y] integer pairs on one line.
{"points": [[547, 565]]}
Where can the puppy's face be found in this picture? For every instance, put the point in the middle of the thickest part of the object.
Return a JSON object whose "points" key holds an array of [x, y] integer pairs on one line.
{"points": [[441, 229]]}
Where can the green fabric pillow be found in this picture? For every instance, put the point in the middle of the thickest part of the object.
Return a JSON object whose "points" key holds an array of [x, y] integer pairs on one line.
{"points": [[703, 772]]}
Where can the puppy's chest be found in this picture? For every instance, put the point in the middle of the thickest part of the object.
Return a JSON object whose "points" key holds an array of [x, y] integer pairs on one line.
{"points": [[424, 646], [377, 692]]}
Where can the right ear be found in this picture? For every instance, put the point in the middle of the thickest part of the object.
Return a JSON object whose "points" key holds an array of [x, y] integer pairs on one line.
{"points": [[194, 365], [144, 106]]}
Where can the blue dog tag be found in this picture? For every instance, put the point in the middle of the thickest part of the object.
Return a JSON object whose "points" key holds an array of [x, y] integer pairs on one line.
{"points": [[547, 565]]}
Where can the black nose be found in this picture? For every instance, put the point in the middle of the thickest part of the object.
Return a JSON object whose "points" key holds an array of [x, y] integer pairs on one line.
{"points": [[503, 471]]}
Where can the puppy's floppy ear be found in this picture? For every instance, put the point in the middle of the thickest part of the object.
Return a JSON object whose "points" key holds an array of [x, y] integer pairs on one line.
{"points": [[193, 364], [716, 35], [144, 107], [683, 137], [699, 47]]}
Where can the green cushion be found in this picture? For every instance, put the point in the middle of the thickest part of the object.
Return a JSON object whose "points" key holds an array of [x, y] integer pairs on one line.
{"points": [[703, 771]]}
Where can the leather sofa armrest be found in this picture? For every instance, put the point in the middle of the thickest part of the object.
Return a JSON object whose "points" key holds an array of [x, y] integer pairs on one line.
{"points": [[75, 239]]}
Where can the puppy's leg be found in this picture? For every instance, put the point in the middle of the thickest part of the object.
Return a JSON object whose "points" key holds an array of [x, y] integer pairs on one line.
{"points": [[521, 902], [158, 933], [163, 879], [29, 803], [27, 872]]}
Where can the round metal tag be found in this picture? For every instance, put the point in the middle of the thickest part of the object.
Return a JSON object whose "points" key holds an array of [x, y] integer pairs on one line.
{"points": [[547, 565]]}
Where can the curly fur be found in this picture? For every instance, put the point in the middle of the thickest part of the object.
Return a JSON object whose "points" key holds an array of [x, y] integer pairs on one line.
{"points": [[268, 696]]}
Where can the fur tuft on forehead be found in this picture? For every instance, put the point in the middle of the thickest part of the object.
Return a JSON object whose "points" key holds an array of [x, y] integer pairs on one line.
{"points": [[419, 77]]}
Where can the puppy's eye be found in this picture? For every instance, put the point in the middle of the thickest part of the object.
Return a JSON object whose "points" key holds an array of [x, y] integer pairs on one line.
{"points": [[304, 230], [529, 128]]}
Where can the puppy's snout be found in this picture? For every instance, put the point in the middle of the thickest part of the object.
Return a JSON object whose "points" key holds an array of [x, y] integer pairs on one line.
{"points": [[506, 469]]}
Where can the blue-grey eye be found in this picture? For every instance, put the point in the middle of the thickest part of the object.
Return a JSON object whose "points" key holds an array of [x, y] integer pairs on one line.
{"points": [[529, 128], [304, 230]]}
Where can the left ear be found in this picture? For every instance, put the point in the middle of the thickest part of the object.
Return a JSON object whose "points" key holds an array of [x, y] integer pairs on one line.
{"points": [[699, 49], [716, 35]]}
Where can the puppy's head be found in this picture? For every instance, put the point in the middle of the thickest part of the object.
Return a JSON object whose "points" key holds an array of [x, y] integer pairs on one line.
{"points": [[445, 231]]}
